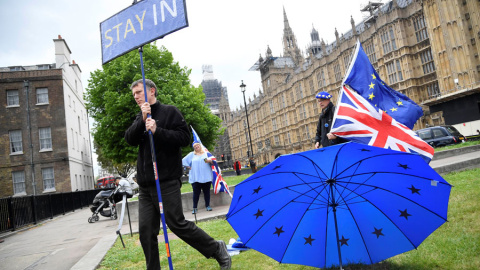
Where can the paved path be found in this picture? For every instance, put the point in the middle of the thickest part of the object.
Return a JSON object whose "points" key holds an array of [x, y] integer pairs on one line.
{"points": [[70, 242]]}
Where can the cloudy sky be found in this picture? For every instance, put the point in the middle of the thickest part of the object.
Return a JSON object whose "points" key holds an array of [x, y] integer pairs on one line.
{"points": [[229, 35]]}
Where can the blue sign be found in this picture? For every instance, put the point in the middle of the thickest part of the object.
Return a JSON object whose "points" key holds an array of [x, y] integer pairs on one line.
{"points": [[139, 24]]}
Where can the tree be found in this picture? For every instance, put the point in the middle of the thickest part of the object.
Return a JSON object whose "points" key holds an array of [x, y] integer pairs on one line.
{"points": [[110, 103]]}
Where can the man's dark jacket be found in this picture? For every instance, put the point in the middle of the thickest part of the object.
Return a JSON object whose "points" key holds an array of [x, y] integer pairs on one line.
{"points": [[171, 134], [324, 125]]}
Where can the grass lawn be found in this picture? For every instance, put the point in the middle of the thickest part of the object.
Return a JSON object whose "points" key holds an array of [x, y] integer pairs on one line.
{"points": [[455, 146], [455, 245]]}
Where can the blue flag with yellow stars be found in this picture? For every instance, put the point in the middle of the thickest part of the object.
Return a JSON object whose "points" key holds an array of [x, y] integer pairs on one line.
{"points": [[363, 78]]}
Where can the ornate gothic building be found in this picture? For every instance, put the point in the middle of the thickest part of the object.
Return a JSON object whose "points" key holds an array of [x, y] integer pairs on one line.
{"points": [[426, 49]]}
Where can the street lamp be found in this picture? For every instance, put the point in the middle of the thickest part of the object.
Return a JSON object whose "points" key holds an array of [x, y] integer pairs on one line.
{"points": [[242, 87], [246, 138]]}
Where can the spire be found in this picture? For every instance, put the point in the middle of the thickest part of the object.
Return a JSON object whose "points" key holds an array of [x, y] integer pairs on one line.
{"points": [[269, 52], [354, 29], [337, 38], [290, 48]]}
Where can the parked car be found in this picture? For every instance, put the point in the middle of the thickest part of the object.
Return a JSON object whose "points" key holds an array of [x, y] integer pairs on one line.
{"points": [[440, 135]]}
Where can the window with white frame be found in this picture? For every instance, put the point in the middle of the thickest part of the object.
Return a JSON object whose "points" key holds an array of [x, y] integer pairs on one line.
{"points": [[286, 119], [12, 98], [42, 95], [45, 135], [48, 179], [16, 145], [18, 182], [270, 102]]}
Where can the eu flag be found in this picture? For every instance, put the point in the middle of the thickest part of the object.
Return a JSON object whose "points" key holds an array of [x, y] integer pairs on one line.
{"points": [[363, 78]]}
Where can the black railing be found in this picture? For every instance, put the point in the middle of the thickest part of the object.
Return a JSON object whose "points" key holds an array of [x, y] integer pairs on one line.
{"points": [[18, 212]]}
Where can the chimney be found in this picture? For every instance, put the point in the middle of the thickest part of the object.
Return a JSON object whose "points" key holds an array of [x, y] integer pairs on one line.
{"points": [[62, 52]]}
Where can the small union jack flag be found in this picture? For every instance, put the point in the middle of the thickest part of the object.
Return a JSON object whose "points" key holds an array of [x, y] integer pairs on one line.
{"points": [[357, 120], [219, 185]]}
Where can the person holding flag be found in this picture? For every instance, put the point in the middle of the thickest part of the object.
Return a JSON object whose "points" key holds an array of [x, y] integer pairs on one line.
{"points": [[323, 136], [200, 175], [170, 133]]}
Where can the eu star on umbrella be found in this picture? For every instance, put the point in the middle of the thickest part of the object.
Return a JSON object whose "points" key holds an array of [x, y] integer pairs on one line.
{"points": [[348, 203]]}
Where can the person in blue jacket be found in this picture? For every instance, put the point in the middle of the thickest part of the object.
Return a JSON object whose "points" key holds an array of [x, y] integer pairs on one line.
{"points": [[200, 175]]}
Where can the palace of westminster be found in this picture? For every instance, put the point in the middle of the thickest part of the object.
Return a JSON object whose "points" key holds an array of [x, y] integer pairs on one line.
{"points": [[426, 49]]}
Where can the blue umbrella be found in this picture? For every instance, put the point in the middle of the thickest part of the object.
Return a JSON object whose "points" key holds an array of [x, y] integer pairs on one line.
{"points": [[343, 204]]}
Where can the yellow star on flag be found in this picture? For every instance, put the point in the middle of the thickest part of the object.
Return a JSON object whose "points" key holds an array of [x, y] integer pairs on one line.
{"points": [[393, 109], [371, 85], [373, 76], [371, 96], [399, 103]]}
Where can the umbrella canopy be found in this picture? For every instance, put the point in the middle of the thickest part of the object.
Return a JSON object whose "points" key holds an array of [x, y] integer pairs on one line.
{"points": [[348, 203]]}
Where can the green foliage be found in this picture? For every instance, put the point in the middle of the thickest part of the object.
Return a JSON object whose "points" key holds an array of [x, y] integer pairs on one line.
{"points": [[110, 102]]}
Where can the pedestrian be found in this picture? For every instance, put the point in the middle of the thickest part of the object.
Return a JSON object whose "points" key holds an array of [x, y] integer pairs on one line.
{"points": [[170, 133], [238, 167], [200, 174], [253, 165], [323, 136]]}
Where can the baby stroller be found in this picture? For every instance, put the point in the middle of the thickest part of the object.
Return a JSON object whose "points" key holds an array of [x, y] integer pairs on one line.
{"points": [[104, 204]]}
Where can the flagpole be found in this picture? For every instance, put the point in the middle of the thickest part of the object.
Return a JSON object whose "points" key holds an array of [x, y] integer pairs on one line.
{"points": [[155, 169]]}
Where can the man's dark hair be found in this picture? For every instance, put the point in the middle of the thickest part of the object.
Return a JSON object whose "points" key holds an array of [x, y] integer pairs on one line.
{"points": [[148, 83]]}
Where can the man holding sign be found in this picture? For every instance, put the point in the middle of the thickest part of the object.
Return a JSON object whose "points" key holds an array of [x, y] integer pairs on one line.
{"points": [[170, 133]]}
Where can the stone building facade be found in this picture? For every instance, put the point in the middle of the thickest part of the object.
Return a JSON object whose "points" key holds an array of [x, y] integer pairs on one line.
{"points": [[420, 48], [44, 129]]}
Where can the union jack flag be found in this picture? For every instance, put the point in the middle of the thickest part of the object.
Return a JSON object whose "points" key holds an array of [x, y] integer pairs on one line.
{"points": [[219, 185], [357, 120]]}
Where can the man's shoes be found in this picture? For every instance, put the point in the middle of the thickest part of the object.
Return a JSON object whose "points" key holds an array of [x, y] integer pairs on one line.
{"points": [[222, 256], [194, 211], [209, 208]]}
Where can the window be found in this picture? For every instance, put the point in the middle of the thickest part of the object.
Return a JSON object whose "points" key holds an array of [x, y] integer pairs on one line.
{"points": [[420, 28], [286, 119], [12, 98], [270, 102], [370, 50], [427, 62], [288, 137], [304, 112], [18, 182], [274, 124], [16, 146], [48, 179], [399, 71], [433, 90], [45, 135], [79, 126], [276, 139], [338, 74], [42, 96], [388, 41], [321, 79], [394, 71], [346, 61]]}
